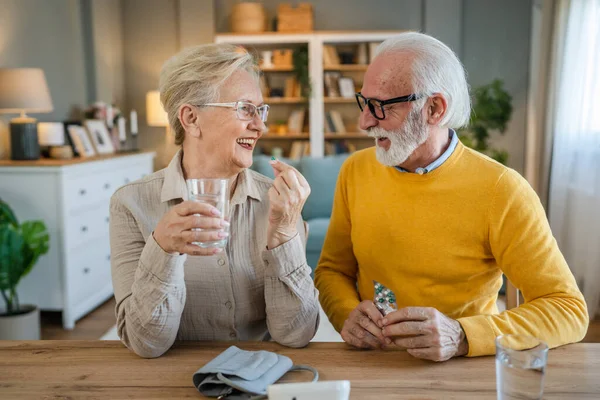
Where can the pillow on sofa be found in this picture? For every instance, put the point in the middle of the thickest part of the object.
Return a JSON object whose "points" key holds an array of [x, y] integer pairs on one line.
{"points": [[321, 174]]}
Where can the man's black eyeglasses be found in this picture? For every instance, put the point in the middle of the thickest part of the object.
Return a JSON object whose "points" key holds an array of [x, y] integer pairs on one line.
{"points": [[376, 106]]}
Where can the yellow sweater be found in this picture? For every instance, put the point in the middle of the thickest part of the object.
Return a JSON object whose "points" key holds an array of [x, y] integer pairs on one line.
{"points": [[443, 240]]}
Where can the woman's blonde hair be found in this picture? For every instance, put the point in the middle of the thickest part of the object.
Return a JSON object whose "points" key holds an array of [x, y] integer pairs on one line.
{"points": [[195, 76]]}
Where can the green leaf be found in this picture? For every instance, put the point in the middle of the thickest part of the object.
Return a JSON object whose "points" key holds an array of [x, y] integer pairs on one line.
{"points": [[36, 243], [11, 256], [300, 62], [6, 215], [20, 248], [492, 110]]}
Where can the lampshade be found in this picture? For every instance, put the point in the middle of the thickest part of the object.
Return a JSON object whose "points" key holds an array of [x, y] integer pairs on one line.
{"points": [[51, 133], [155, 113], [24, 90]]}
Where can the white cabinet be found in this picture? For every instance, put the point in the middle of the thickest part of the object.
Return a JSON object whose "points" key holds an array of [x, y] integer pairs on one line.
{"points": [[72, 198]]}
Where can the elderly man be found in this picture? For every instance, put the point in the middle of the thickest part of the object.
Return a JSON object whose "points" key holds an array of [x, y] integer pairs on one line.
{"points": [[437, 223]]}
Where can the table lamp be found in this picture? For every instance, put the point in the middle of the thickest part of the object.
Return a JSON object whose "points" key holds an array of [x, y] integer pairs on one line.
{"points": [[155, 113], [24, 90]]}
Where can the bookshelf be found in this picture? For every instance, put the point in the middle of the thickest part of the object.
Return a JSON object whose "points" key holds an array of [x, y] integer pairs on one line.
{"points": [[285, 100], [287, 136], [339, 100], [280, 68], [346, 67], [319, 107]]}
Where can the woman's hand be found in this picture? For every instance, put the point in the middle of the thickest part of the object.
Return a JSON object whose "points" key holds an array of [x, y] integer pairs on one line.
{"points": [[175, 231], [287, 197]]}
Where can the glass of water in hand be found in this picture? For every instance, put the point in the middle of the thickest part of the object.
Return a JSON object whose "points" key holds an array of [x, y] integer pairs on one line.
{"points": [[520, 367], [216, 193]]}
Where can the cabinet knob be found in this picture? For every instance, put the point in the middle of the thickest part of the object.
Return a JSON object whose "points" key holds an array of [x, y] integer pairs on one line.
{"points": [[82, 192], [86, 271], [107, 220], [106, 186], [108, 257], [84, 228]]}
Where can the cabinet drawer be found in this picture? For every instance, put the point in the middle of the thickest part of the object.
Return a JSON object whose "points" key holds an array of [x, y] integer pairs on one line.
{"points": [[88, 271], [129, 175], [87, 226], [82, 192]]}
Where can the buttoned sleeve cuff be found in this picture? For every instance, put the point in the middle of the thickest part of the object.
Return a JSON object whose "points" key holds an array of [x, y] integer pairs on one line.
{"points": [[285, 258], [167, 267], [480, 334]]}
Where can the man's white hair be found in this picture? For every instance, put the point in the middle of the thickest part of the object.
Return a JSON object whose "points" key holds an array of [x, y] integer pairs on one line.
{"points": [[436, 69]]}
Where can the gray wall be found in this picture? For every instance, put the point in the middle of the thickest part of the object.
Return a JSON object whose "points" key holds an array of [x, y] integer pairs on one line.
{"points": [[343, 14], [496, 36], [154, 30], [47, 35]]}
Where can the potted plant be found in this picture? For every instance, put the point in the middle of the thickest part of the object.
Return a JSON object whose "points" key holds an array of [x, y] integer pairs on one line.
{"points": [[492, 110], [20, 247], [300, 63]]}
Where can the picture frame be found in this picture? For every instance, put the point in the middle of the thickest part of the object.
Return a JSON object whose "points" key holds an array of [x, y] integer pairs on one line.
{"points": [[80, 141], [346, 85], [100, 137]]}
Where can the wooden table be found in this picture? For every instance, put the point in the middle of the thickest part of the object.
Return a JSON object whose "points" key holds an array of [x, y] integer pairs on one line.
{"points": [[105, 369]]}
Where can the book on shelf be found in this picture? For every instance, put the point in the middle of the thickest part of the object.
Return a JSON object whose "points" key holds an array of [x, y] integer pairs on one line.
{"points": [[330, 56], [306, 149], [290, 87], [338, 122], [346, 85], [372, 50], [361, 54], [329, 148], [339, 147], [296, 121], [329, 122], [298, 149], [331, 84], [264, 85]]}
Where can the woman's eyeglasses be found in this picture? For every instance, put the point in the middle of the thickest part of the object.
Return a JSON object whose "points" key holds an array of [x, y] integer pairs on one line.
{"points": [[245, 111], [376, 106]]}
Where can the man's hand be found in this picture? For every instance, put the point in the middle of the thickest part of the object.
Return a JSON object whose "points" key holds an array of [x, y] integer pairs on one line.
{"points": [[425, 333], [361, 328]]}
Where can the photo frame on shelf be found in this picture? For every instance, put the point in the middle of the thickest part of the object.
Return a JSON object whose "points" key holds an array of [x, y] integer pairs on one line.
{"points": [[80, 141], [346, 85], [100, 136]]}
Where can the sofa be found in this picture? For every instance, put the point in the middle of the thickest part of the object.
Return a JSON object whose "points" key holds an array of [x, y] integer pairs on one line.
{"points": [[321, 174]]}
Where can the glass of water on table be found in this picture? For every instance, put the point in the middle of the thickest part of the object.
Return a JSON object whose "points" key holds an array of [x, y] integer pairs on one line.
{"points": [[216, 193], [520, 367]]}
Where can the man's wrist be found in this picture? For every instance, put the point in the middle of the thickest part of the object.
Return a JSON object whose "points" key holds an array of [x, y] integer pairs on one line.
{"points": [[463, 344]]}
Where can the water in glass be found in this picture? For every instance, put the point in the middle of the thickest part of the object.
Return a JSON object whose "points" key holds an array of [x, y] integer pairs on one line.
{"points": [[520, 367]]}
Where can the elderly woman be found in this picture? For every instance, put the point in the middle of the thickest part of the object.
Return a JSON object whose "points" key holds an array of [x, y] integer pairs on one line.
{"points": [[169, 289]]}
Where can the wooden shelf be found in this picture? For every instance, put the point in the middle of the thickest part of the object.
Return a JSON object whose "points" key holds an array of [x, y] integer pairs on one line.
{"points": [[346, 67], [342, 136], [51, 162], [278, 68], [339, 100], [285, 100], [274, 136]]}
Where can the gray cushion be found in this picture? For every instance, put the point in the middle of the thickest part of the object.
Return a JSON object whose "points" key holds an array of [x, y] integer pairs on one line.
{"points": [[321, 174], [317, 229]]}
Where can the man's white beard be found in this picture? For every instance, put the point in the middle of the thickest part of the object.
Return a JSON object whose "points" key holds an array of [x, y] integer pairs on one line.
{"points": [[403, 141]]}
